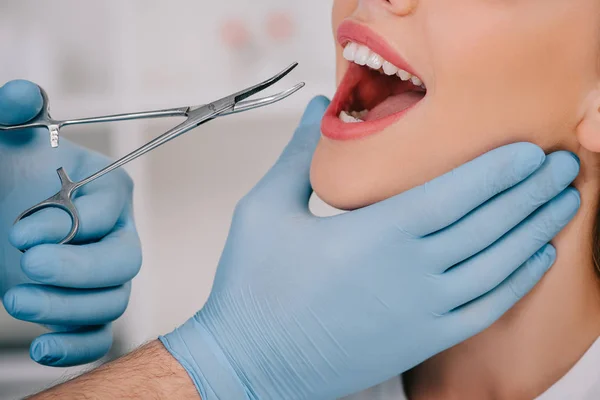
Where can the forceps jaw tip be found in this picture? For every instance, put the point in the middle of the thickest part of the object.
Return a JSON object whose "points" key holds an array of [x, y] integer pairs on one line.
{"points": [[252, 90], [247, 105]]}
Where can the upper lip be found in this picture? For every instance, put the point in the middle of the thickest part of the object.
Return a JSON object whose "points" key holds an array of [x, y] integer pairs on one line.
{"points": [[351, 31]]}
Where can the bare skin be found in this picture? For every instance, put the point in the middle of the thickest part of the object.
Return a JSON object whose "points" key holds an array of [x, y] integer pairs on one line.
{"points": [[149, 373]]}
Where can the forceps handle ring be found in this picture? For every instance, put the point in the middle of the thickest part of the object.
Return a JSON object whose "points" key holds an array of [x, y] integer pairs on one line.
{"points": [[61, 200]]}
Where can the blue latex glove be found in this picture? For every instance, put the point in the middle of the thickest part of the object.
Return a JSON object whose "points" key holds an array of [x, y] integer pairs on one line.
{"points": [[317, 308], [75, 290]]}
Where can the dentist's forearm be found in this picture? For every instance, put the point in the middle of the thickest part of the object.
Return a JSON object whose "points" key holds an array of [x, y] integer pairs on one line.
{"points": [[148, 373]]}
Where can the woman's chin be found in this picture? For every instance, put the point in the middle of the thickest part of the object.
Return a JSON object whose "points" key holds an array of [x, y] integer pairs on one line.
{"points": [[342, 203], [349, 176], [343, 193]]}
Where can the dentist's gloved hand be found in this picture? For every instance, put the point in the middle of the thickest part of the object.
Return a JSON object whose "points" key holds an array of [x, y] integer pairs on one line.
{"points": [[75, 290], [317, 308]]}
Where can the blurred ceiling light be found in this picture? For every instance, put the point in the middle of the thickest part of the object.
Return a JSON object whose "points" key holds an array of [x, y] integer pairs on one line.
{"points": [[235, 34], [280, 26]]}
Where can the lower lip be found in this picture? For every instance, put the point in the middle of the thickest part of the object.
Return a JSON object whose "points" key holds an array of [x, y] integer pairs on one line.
{"points": [[334, 128]]}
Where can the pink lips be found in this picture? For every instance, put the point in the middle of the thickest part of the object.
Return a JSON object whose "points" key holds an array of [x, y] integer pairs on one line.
{"points": [[332, 127]]}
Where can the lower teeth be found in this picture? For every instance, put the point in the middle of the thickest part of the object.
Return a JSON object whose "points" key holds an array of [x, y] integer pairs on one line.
{"points": [[359, 114], [353, 117]]}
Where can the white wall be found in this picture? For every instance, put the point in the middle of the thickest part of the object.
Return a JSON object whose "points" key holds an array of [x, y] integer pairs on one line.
{"points": [[115, 56]]}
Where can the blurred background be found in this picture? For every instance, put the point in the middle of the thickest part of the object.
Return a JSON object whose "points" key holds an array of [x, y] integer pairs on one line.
{"points": [[113, 56]]}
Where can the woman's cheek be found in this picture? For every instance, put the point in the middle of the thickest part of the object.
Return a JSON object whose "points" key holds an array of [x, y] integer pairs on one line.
{"points": [[341, 9]]}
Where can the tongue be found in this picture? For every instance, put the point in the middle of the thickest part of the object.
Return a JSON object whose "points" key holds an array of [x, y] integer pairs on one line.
{"points": [[393, 105]]}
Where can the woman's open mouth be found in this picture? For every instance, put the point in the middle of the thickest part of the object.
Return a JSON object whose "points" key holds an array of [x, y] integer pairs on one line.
{"points": [[375, 92]]}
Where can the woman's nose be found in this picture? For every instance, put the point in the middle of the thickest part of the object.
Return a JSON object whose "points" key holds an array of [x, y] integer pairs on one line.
{"points": [[403, 7]]}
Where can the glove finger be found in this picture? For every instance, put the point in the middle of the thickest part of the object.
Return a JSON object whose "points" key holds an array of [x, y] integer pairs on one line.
{"points": [[491, 221], [287, 183], [77, 347], [483, 272], [59, 306], [20, 101], [99, 207], [446, 199], [113, 261], [458, 293], [481, 313]]}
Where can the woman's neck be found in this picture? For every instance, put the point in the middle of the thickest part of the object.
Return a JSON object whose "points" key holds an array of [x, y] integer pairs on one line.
{"points": [[538, 341]]}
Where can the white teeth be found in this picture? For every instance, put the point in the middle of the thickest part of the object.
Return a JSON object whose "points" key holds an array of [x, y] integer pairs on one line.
{"points": [[359, 114], [348, 118], [389, 68], [375, 61], [362, 56], [350, 51], [402, 74]]}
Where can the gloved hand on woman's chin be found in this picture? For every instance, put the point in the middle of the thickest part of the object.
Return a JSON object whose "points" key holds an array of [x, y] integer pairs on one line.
{"points": [[75, 290], [317, 308]]}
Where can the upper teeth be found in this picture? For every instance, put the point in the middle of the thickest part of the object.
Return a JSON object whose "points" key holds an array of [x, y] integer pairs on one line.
{"points": [[362, 55]]}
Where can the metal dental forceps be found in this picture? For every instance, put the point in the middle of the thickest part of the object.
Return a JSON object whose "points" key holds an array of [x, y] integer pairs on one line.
{"points": [[196, 116]]}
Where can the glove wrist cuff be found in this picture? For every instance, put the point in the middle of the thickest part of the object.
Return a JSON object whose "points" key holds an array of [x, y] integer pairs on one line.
{"points": [[196, 350]]}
